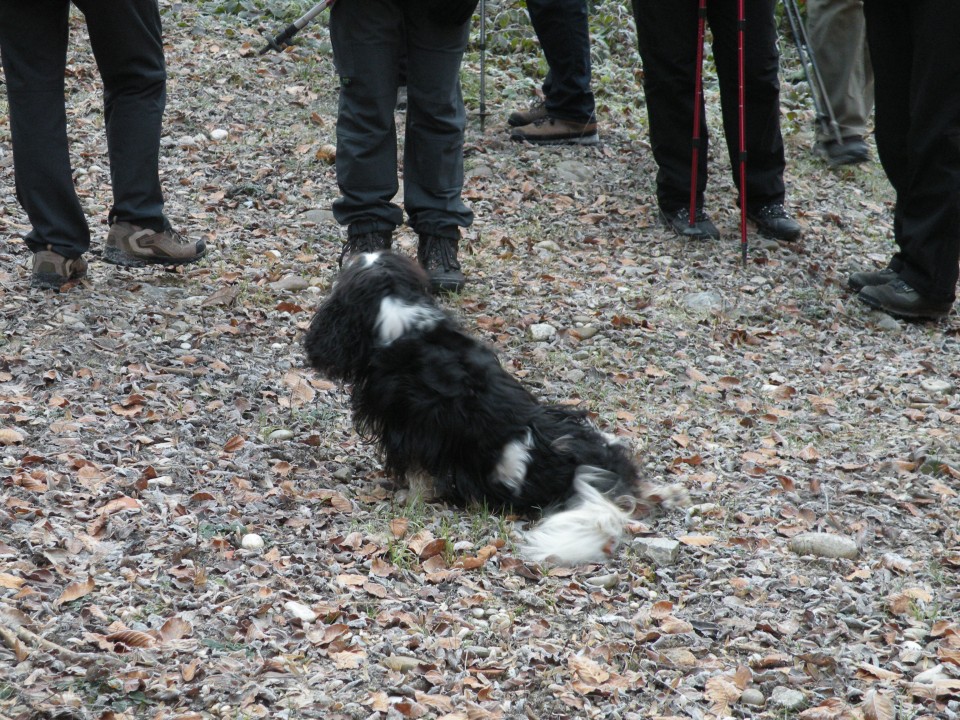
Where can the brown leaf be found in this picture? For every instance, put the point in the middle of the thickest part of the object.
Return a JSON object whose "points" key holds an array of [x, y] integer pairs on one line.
{"points": [[878, 706], [11, 582], [175, 629], [721, 693], [75, 591], [234, 444], [131, 639], [9, 436], [398, 527]]}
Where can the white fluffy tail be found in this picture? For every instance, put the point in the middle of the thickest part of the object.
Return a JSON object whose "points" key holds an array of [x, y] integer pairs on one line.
{"points": [[586, 531]]}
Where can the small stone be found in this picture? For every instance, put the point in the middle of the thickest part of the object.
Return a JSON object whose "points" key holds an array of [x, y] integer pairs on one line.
{"points": [[219, 135], [401, 663], [187, 142], [604, 581], [704, 303], [910, 652], [290, 283], [318, 216], [660, 551], [752, 696], [787, 698], [935, 386], [541, 332], [587, 331], [251, 541], [548, 245], [886, 322], [282, 434], [824, 545], [299, 611], [573, 171]]}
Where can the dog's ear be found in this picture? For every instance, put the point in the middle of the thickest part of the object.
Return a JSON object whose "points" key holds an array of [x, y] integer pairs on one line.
{"points": [[337, 342]]}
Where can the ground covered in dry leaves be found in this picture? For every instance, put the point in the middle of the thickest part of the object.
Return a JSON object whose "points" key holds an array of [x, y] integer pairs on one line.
{"points": [[189, 528]]}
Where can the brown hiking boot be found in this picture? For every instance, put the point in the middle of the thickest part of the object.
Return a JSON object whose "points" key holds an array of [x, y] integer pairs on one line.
{"points": [[535, 112], [52, 270], [554, 131], [133, 246]]}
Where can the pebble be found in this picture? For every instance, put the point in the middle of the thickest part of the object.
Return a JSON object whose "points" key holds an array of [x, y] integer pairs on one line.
{"points": [[604, 581], [886, 322], [706, 302], [219, 135], [290, 283], [752, 696], [541, 332], [935, 386], [587, 331], [660, 551], [251, 541], [299, 611], [787, 698], [824, 545], [548, 245], [280, 435]]}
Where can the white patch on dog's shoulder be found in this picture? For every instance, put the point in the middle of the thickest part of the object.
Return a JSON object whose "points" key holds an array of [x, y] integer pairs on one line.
{"points": [[512, 468], [397, 318]]}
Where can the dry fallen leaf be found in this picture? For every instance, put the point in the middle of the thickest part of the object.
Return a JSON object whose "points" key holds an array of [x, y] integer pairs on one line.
{"points": [[75, 591]]}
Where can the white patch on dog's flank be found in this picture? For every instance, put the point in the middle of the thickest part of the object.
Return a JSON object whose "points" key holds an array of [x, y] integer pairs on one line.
{"points": [[397, 318], [512, 468], [587, 531]]}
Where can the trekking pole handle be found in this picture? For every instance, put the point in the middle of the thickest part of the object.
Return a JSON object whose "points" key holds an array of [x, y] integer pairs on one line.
{"points": [[277, 42]]}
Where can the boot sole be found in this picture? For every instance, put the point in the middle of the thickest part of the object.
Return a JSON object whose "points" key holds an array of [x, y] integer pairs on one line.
{"points": [[50, 281], [593, 139], [115, 256], [903, 315]]}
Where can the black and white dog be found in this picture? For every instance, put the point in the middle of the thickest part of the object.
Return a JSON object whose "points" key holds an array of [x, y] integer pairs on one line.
{"points": [[437, 402]]}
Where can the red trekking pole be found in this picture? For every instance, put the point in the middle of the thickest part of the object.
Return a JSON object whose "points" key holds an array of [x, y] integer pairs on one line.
{"points": [[697, 103], [742, 111]]}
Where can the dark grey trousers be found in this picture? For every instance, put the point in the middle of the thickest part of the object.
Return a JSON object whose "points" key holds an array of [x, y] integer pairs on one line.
{"points": [[126, 39], [369, 39]]}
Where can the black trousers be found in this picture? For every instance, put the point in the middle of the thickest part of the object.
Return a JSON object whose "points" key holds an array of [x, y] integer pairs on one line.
{"points": [[667, 40], [562, 27], [126, 40], [369, 39], [916, 65]]}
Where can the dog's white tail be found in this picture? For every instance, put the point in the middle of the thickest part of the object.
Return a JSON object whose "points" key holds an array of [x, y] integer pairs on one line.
{"points": [[587, 530]]}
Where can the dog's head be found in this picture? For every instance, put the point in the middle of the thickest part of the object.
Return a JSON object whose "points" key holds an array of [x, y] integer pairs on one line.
{"points": [[376, 299]]}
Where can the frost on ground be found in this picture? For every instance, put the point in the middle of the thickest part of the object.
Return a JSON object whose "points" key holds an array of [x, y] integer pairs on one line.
{"points": [[189, 528]]}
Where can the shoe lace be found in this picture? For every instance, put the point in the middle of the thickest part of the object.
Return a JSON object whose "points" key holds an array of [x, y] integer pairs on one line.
{"points": [[773, 210], [365, 242], [442, 252]]}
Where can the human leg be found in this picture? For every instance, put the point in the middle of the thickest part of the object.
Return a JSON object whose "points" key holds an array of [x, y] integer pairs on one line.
{"points": [[33, 45], [666, 39], [366, 37], [918, 138], [433, 147], [838, 41], [562, 27]]}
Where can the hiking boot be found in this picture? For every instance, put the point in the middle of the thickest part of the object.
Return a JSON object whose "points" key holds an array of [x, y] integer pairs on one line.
{"points": [[897, 298], [535, 112], [850, 151], [364, 243], [130, 245], [867, 278], [773, 222], [555, 131], [52, 270], [438, 256], [679, 222]]}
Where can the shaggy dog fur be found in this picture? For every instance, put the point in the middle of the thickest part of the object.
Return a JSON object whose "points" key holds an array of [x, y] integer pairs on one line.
{"points": [[438, 402]]}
